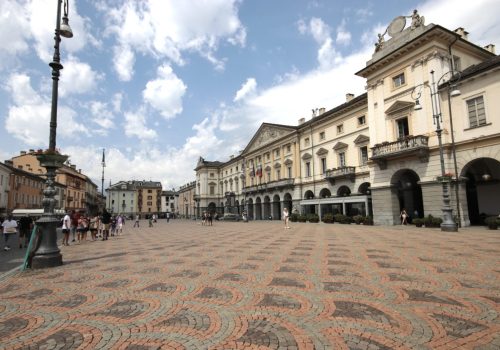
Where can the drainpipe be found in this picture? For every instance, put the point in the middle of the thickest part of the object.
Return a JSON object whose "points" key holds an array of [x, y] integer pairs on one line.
{"points": [[453, 148]]}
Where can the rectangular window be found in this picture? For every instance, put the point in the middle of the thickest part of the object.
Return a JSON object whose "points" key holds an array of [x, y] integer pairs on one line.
{"points": [[476, 112], [323, 165], [150, 197], [306, 141], [150, 191], [398, 80], [268, 156], [212, 175], [277, 152], [212, 190], [289, 170], [340, 129], [321, 135], [402, 125], [342, 159], [362, 120], [150, 203], [278, 174], [364, 155], [457, 64], [288, 148], [308, 169]]}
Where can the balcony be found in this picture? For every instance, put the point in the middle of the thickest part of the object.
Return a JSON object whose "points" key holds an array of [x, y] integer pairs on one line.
{"points": [[269, 186], [196, 197], [343, 172], [417, 146]]}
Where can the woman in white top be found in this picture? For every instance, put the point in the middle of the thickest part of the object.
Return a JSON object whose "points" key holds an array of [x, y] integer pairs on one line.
{"points": [[9, 228], [286, 217]]}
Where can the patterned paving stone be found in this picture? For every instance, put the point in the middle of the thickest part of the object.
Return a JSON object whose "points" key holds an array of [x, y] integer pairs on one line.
{"points": [[256, 286]]}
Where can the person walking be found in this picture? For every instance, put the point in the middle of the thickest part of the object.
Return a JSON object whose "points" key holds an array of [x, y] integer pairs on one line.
{"points": [[286, 217], [66, 226], [168, 217], [106, 220], [119, 222], [25, 226], [9, 228], [404, 217], [136, 223], [94, 222]]}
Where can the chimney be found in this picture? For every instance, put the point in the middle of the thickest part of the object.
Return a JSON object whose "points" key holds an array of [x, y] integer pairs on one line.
{"points": [[322, 110], [462, 32], [32, 151], [73, 166], [490, 48], [23, 153], [9, 162], [349, 97], [302, 121], [80, 171]]}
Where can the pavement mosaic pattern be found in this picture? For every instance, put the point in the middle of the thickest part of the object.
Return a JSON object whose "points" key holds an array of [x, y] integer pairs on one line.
{"points": [[257, 286]]}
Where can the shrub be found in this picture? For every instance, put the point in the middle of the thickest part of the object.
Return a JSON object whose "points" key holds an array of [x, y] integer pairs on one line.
{"points": [[436, 222], [339, 218], [368, 220], [428, 220], [358, 219], [313, 218], [418, 222], [492, 222], [328, 218], [302, 218], [294, 217]]}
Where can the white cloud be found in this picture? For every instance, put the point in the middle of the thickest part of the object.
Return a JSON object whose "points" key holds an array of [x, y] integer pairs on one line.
{"points": [[15, 31], [343, 35], [101, 115], [135, 126], [28, 118], [164, 29], [165, 92], [321, 32], [117, 102], [78, 77], [248, 88]]}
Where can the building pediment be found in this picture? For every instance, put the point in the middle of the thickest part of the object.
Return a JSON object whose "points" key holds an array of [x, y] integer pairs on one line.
{"points": [[339, 145], [277, 165], [399, 106], [266, 134], [361, 139], [288, 162], [321, 151], [306, 156]]}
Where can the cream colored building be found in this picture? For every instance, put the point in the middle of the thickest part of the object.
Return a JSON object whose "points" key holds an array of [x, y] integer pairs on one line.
{"points": [[377, 153], [134, 197], [188, 200]]}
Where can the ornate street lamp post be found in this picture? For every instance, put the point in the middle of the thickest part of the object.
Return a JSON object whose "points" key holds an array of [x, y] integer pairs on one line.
{"points": [[47, 254], [448, 223]]}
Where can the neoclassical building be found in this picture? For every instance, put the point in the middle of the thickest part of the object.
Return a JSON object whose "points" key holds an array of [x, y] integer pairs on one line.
{"points": [[379, 152]]}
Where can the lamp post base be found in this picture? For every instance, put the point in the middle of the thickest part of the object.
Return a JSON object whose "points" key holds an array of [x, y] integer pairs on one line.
{"points": [[47, 254], [449, 227]]}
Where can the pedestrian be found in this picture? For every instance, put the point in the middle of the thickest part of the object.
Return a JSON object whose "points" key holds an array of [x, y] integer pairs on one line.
{"points": [[74, 224], [286, 217], [150, 219], [119, 222], [106, 220], [94, 222], [25, 226], [80, 228], [136, 223], [404, 217], [209, 218], [66, 227], [113, 225], [9, 228], [168, 217]]}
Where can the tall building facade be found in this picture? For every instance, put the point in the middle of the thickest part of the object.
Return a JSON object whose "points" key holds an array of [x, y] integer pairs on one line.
{"points": [[188, 201], [379, 153], [134, 197]]}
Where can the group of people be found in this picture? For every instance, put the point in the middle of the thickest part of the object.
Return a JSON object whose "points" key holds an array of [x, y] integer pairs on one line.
{"points": [[11, 227], [99, 226], [207, 218]]}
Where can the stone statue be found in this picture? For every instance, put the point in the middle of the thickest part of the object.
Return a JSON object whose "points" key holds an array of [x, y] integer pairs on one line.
{"points": [[380, 44], [416, 20]]}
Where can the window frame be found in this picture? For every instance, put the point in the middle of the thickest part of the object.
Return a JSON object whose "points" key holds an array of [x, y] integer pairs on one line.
{"points": [[340, 129], [395, 80], [477, 120]]}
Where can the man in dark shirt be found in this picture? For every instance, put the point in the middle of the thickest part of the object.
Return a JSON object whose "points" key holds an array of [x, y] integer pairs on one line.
{"points": [[25, 226], [106, 220]]}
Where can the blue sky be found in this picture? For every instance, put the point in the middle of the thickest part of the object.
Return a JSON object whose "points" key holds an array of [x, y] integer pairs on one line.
{"points": [[159, 83]]}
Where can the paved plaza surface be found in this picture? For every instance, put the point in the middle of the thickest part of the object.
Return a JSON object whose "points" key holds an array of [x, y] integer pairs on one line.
{"points": [[258, 286]]}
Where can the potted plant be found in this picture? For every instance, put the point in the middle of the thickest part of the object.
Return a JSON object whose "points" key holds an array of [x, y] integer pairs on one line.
{"points": [[358, 219], [328, 218], [314, 218], [418, 222], [294, 217], [302, 218], [368, 220], [339, 218], [492, 222], [436, 222], [428, 220]]}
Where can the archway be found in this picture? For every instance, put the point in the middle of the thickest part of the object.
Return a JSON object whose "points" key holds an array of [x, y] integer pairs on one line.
{"points": [[267, 208], [325, 193], [258, 209], [287, 202], [343, 191], [250, 208], [212, 208], [309, 195], [276, 207], [482, 189], [409, 192], [364, 188]]}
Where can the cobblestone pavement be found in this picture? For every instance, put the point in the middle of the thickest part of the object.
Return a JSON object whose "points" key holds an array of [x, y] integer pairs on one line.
{"points": [[257, 286]]}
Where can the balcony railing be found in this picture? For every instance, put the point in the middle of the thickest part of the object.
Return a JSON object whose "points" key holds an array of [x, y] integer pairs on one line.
{"points": [[343, 172], [269, 186], [410, 145]]}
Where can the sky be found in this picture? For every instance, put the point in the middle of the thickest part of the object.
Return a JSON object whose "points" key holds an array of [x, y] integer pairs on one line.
{"points": [[159, 83]]}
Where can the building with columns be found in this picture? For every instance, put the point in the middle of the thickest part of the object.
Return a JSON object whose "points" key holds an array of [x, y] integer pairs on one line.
{"points": [[379, 153]]}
